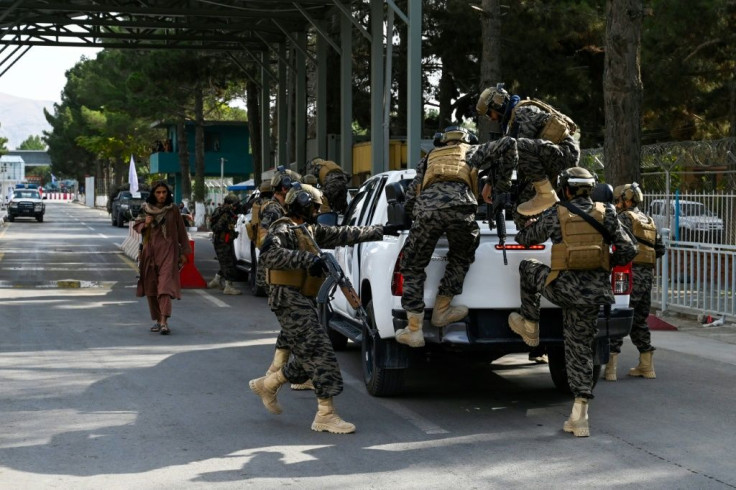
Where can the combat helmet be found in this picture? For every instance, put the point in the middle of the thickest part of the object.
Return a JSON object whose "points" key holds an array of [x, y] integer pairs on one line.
{"points": [[629, 192], [455, 133], [579, 180], [495, 98], [284, 177], [303, 200], [231, 199]]}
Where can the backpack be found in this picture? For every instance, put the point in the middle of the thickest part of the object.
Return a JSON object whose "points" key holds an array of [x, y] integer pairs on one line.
{"points": [[558, 126]]}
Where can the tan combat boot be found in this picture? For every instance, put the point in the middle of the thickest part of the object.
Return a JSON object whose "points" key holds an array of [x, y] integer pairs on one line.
{"points": [[215, 283], [307, 385], [528, 329], [412, 335], [645, 369], [443, 314], [327, 420], [280, 357], [267, 387], [544, 198], [610, 372], [230, 289], [578, 421]]}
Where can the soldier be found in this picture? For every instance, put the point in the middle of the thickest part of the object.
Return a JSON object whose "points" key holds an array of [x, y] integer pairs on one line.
{"points": [[333, 182], [627, 198], [545, 144], [443, 200], [295, 273], [222, 223], [579, 280]]}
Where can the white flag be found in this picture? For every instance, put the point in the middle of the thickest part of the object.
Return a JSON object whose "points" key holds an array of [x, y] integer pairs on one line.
{"points": [[133, 177]]}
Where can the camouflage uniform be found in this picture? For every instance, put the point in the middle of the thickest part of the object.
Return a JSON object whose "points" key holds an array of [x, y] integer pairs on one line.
{"points": [[578, 292], [334, 186], [641, 295], [312, 355], [223, 234], [271, 211], [539, 159], [445, 208]]}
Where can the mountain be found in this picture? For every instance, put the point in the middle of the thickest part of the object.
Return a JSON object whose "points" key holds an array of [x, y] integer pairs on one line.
{"points": [[21, 118]]}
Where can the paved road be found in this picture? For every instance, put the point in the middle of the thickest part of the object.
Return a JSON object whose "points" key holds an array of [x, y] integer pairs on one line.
{"points": [[91, 399]]}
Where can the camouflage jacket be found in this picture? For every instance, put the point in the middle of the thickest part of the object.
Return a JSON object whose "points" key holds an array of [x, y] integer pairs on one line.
{"points": [[442, 195], [281, 249], [271, 211], [223, 219], [625, 220], [593, 286]]}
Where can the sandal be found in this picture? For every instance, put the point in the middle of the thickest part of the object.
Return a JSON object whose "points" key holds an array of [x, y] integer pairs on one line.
{"points": [[165, 330], [156, 328]]}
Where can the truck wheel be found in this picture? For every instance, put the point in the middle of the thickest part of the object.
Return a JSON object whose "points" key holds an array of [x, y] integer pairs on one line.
{"points": [[338, 340], [39, 218], [252, 282], [113, 221], [557, 370], [121, 220], [11, 218], [379, 381]]}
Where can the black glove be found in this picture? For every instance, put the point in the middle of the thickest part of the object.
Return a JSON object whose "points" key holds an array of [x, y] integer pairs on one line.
{"points": [[392, 230], [317, 267]]}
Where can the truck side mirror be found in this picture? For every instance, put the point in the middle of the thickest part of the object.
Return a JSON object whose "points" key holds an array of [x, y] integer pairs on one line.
{"points": [[395, 193], [396, 212]]}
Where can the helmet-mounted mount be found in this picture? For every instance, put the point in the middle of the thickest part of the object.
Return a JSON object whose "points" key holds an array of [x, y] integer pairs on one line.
{"points": [[455, 133]]}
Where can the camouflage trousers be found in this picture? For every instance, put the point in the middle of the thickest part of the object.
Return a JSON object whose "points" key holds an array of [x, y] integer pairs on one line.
{"points": [[226, 258], [463, 237], [641, 302], [335, 190], [579, 323], [261, 278], [539, 160], [312, 356]]}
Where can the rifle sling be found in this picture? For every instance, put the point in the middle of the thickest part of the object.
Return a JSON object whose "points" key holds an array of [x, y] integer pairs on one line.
{"points": [[589, 219]]}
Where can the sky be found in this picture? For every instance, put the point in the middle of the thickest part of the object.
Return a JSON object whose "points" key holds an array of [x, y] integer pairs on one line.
{"points": [[39, 74]]}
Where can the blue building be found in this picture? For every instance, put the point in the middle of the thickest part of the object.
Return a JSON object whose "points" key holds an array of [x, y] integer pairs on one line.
{"points": [[228, 140]]}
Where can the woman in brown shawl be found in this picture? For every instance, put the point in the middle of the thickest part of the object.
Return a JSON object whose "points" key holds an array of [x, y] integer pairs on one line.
{"points": [[165, 249]]}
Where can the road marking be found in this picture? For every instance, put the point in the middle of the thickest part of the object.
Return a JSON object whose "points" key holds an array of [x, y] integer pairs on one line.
{"points": [[102, 236], [217, 302], [410, 416]]}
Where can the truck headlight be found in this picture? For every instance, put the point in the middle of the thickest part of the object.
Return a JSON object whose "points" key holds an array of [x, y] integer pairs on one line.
{"points": [[13, 205], [38, 206], [124, 206]]}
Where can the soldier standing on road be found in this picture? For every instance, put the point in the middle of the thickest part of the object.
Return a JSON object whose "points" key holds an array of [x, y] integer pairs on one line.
{"points": [[579, 280], [222, 223], [545, 143], [443, 200], [295, 273], [627, 198], [333, 182]]}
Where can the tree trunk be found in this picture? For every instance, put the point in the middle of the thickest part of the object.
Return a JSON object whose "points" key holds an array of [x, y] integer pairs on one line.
{"points": [[254, 128], [490, 64], [199, 157], [445, 96], [622, 91], [183, 152]]}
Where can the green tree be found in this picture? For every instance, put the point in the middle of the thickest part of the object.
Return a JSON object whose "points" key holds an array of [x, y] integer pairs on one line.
{"points": [[3, 148], [33, 142]]}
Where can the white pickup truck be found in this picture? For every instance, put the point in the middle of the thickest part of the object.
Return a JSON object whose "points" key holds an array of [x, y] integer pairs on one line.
{"points": [[491, 291], [246, 252]]}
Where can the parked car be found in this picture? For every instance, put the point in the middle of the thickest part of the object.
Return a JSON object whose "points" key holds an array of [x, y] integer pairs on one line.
{"points": [[125, 207], [491, 291], [694, 222], [26, 203], [246, 252]]}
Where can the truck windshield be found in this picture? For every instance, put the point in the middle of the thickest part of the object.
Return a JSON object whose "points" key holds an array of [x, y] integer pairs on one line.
{"points": [[27, 195]]}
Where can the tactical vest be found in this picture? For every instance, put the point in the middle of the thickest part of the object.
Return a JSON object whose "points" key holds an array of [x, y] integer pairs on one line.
{"points": [[262, 232], [255, 220], [327, 167], [646, 232], [297, 278], [557, 127], [447, 164], [582, 246]]}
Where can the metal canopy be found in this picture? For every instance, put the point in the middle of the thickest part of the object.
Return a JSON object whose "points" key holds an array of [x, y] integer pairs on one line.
{"points": [[156, 24]]}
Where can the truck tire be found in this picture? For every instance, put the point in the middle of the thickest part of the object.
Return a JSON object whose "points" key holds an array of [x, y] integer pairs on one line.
{"points": [[255, 289], [338, 340], [11, 218], [39, 218], [379, 381], [113, 221], [121, 220], [556, 355]]}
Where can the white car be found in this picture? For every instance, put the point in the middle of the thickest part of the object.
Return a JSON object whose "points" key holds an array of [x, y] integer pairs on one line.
{"points": [[693, 222], [246, 251], [26, 203], [491, 291]]}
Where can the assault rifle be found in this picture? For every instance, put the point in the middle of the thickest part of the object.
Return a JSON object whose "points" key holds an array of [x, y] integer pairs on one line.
{"points": [[336, 278]]}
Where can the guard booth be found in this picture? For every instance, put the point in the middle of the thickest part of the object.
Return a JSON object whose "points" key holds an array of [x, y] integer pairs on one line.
{"points": [[226, 152]]}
